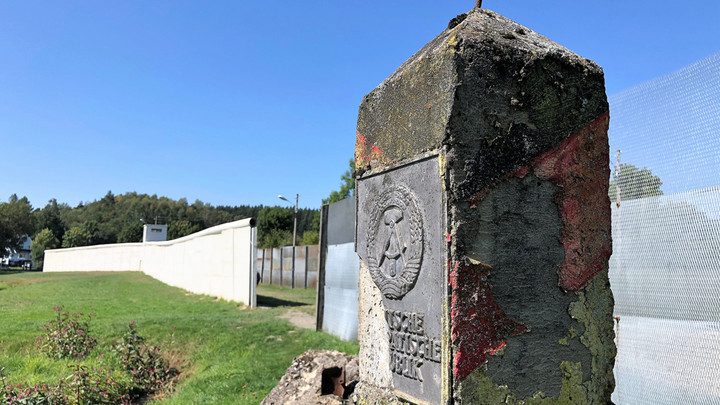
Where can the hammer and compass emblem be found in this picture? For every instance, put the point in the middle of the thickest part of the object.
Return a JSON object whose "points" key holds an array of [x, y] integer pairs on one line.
{"points": [[395, 242]]}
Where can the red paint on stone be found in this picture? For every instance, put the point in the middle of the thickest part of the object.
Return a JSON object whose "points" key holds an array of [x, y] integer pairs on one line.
{"points": [[365, 152], [521, 172], [479, 325], [493, 351], [580, 166]]}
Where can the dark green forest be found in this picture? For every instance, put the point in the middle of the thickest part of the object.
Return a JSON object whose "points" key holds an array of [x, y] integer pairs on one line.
{"points": [[120, 218]]}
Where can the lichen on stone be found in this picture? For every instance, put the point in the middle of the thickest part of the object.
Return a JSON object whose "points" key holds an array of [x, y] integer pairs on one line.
{"points": [[572, 334], [594, 309], [479, 389]]}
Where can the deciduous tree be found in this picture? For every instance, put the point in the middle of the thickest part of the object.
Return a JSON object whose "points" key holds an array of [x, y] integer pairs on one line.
{"points": [[633, 183], [49, 218], [274, 225], [181, 228], [76, 236], [16, 223], [132, 232], [45, 239], [347, 186]]}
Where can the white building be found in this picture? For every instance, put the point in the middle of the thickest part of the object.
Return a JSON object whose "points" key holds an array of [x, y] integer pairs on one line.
{"points": [[19, 256]]}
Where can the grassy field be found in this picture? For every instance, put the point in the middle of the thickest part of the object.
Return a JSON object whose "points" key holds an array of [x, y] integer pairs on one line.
{"points": [[227, 354]]}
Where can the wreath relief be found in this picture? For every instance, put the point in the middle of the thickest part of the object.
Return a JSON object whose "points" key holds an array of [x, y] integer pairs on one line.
{"points": [[395, 242]]}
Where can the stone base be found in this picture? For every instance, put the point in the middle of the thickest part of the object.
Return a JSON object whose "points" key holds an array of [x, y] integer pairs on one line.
{"points": [[366, 394], [316, 377]]}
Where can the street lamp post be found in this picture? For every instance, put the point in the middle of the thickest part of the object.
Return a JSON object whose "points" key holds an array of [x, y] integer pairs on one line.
{"points": [[297, 196]]}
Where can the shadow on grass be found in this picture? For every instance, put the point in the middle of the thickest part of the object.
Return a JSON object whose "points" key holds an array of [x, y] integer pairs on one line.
{"points": [[266, 301]]}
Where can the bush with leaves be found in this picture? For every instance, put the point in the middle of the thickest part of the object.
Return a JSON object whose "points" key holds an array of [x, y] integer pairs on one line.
{"points": [[144, 370], [149, 370], [32, 395], [68, 336], [29, 395], [96, 386], [83, 386]]}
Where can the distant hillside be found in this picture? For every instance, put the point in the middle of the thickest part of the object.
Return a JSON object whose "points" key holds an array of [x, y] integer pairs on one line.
{"points": [[119, 218]]}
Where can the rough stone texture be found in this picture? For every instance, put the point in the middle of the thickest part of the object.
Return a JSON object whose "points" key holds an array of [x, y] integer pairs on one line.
{"points": [[518, 245], [372, 334], [302, 383], [408, 113], [519, 125]]}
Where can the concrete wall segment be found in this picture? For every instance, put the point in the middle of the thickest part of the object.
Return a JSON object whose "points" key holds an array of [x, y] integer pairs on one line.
{"points": [[217, 261]]}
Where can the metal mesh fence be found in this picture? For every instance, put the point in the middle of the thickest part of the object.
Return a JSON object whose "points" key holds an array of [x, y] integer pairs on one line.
{"points": [[665, 267]]}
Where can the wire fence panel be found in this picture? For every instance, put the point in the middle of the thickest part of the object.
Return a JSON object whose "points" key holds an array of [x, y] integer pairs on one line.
{"points": [[665, 267]]}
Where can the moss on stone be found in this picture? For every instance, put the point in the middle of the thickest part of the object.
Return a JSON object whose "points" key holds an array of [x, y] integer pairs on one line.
{"points": [[572, 334], [594, 310], [479, 389], [446, 352]]}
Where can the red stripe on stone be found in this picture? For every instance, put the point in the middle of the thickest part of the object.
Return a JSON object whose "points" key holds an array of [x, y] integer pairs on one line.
{"points": [[580, 166], [479, 325], [497, 349]]}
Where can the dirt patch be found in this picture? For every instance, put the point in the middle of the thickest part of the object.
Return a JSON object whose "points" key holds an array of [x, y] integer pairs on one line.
{"points": [[299, 319], [19, 282]]}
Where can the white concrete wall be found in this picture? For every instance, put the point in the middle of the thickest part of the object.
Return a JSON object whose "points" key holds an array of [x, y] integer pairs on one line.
{"points": [[218, 261]]}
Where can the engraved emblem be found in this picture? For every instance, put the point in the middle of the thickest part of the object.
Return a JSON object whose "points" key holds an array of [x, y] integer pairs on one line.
{"points": [[395, 242]]}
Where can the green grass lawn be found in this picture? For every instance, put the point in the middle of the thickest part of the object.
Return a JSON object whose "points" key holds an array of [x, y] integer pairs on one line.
{"points": [[219, 347]]}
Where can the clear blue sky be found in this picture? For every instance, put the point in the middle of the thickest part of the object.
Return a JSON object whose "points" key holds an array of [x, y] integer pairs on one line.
{"points": [[235, 102]]}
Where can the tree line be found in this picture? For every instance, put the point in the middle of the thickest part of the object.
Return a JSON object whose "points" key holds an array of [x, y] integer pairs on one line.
{"points": [[120, 218]]}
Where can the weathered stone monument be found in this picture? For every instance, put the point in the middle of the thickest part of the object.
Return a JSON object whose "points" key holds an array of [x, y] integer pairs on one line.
{"points": [[483, 224]]}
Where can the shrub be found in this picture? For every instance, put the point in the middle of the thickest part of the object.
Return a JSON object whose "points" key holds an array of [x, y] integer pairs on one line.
{"points": [[67, 336], [96, 386], [144, 370], [149, 370], [83, 386], [29, 395], [32, 395]]}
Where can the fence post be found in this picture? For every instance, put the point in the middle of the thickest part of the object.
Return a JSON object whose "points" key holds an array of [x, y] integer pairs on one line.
{"points": [[272, 264], [282, 266], [322, 253], [307, 262], [262, 267]]}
